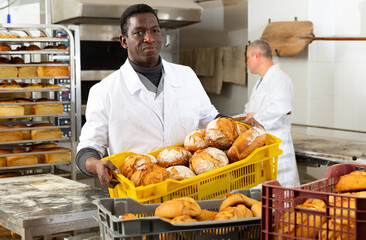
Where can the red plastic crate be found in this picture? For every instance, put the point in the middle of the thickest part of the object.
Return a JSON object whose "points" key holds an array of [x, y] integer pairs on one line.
{"points": [[279, 202]]}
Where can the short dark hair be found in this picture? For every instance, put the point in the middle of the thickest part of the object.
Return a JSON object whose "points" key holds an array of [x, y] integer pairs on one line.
{"points": [[262, 46], [133, 10]]}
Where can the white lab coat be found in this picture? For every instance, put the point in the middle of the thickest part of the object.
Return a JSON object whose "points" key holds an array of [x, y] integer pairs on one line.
{"points": [[122, 115], [271, 102]]}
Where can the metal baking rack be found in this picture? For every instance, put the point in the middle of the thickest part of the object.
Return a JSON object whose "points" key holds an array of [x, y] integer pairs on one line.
{"points": [[41, 35]]}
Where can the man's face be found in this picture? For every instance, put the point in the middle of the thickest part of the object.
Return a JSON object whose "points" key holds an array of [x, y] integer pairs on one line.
{"points": [[143, 40], [251, 61]]}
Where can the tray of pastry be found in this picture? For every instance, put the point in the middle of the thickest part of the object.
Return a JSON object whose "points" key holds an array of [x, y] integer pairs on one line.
{"points": [[210, 219], [333, 207]]}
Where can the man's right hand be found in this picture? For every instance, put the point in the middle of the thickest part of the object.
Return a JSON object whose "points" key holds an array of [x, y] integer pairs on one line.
{"points": [[104, 171]]}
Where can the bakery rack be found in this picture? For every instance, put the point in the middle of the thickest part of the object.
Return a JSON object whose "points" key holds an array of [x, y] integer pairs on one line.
{"points": [[42, 35]]}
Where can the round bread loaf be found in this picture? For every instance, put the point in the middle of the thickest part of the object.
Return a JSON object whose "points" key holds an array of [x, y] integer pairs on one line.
{"points": [[149, 173], [180, 172], [16, 60], [172, 156], [134, 162], [246, 143], [208, 159], [221, 133], [4, 47], [196, 140], [4, 60]]}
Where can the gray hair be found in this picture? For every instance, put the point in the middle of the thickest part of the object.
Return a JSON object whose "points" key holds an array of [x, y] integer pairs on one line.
{"points": [[262, 47]]}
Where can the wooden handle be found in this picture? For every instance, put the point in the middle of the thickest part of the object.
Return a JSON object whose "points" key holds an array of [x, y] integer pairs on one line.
{"points": [[337, 38]]}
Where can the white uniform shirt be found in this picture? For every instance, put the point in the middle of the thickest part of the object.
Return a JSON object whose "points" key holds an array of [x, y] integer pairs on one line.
{"points": [[122, 115], [271, 102]]}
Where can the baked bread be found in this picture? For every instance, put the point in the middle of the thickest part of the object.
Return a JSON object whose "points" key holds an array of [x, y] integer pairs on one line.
{"points": [[11, 110], [62, 46], [180, 172], [172, 156], [208, 159], [177, 207], [33, 48], [206, 215], [8, 72], [55, 108], [149, 173], [234, 199], [246, 143], [221, 133], [38, 134], [3, 159], [134, 162], [43, 145], [241, 128], [247, 213], [52, 71], [58, 157], [27, 71], [4, 48], [353, 181], [230, 213], [257, 209], [21, 48], [343, 230], [27, 108], [196, 140], [9, 135], [25, 133], [182, 219], [307, 225], [128, 216], [21, 160], [16, 60]]}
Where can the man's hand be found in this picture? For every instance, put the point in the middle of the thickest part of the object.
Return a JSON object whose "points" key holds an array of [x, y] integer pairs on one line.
{"points": [[251, 121], [104, 171]]}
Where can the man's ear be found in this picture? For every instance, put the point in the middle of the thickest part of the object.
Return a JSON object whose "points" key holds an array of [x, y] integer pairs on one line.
{"points": [[123, 41], [257, 55]]}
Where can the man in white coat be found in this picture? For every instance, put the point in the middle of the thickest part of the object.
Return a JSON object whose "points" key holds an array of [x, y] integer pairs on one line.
{"points": [[270, 105], [145, 105]]}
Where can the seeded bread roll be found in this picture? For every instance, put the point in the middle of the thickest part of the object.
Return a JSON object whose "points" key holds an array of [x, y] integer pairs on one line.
{"points": [[221, 133], [196, 140], [208, 159], [246, 143], [172, 156], [180, 172]]}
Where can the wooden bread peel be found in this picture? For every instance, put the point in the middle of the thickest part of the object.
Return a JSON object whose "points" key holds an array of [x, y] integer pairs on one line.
{"points": [[287, 39]]}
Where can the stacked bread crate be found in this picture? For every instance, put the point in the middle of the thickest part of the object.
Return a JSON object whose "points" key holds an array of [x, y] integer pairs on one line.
{"points": [[36, 72]]}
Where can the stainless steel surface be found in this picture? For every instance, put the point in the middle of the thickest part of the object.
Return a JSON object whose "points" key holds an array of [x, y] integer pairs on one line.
{"points": [[172, 14], [328, 151], [328, 128], [93, 75], [45, 204]]}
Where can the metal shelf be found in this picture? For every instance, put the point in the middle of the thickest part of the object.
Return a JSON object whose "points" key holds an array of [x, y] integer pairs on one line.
{"points": [[44, 55]]}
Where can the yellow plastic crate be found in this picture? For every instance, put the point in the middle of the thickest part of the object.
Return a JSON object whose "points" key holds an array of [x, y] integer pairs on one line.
{"points": [[258, 167]]}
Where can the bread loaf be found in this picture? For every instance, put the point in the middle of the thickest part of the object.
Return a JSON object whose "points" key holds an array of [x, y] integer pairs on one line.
{"points": [[257, 209], [8, 136], [149, 173], [16, 60], [33, 47], [337, 230], [246, 143], [20, 160], [27, 71], [206, 215], [182, 219], [180, 172], [221, 133], [178, 207], [25, 133], [27, 108], [39, 109], [58, 157], [234, 199], [353, 181], [11, 110], [208, 159], [43, 145], [172, 156], [134, 162], [196, 140], [52, 71], [230, 213], [8, 72], [3, 159], [4, 48], [241, 128], [38, 134]]}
